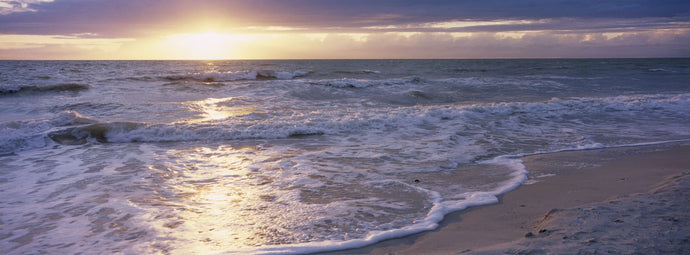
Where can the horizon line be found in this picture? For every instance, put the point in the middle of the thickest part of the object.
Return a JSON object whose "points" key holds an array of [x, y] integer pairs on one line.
{"points": [[304, 59]]}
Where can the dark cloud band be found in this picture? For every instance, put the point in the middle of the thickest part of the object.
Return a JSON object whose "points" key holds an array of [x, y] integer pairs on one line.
{"points": [[135, 17]]}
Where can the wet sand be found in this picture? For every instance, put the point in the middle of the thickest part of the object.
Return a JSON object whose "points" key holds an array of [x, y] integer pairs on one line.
{"points": [[621, 200]]}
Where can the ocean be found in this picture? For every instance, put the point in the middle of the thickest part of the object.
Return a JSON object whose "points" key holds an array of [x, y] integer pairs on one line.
{"points": [[297, 156]]}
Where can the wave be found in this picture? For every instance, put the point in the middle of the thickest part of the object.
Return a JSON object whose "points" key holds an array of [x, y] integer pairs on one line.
{"points": [[361, 83], [668, 70], [468, 70], [135, 78], [365, 71], [531, 126], [500, 83], [126, 132], [236, 76], [15, 89], [43, 77], [547, 115], [71, 128], [29, 134]]}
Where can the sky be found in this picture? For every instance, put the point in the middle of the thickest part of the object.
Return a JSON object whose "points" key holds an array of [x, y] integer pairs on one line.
{"points": [[342, 29]]}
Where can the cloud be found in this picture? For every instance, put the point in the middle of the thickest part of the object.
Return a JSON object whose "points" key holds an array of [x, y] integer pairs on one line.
{"points": [[358, 28], [533, 44], [12, 6], [527, 45]]}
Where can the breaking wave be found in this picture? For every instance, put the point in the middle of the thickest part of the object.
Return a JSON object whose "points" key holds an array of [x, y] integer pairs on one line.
{"points": [[558, 123], [15, 89], [28, 134], [124, 132], [365, 71]]}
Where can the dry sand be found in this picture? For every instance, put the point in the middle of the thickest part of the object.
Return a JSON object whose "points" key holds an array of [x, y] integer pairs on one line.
{"points": [[630, 200]]}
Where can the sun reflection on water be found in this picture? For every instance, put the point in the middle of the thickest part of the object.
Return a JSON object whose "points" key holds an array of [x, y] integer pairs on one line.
{"points": [[215, 109], [218, 202]]}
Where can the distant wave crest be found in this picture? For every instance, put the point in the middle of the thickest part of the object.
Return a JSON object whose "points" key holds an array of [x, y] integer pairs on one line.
{"points": [[236, 76], [15, 89], [365, 71], [363, 83]]}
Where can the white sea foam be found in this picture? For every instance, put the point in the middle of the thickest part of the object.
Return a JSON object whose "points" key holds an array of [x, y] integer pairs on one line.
{"points": [[495, 82], [319, 122], [21, 135], [435, 215], [365, 71]]}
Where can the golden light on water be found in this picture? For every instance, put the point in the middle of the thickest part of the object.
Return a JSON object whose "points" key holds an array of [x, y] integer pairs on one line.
{"points": [[211, 210], [213, 109]]}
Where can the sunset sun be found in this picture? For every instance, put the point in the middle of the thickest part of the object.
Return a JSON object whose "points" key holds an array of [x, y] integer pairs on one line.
{"points": [[209, 45]]}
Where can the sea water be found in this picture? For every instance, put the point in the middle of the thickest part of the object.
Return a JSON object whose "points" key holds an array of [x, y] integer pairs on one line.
{"points": [[296, 156]]}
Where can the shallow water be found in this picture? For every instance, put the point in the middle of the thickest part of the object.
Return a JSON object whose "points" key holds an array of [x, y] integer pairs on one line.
{"points": [[296, 156]]}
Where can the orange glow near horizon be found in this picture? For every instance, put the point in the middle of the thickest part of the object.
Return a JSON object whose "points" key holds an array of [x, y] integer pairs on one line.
{"points": [[203, 46], [283, 43]]}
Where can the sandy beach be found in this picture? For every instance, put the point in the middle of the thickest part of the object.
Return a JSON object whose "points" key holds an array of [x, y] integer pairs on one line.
{"points": [[624, 200]]}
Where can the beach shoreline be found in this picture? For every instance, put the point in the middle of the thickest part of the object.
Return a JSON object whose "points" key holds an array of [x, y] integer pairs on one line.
{"points": [[302, 156], [541, 212]]}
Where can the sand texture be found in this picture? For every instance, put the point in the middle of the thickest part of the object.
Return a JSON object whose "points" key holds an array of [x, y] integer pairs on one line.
{"points": [[649, 223], [630, 200]]}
